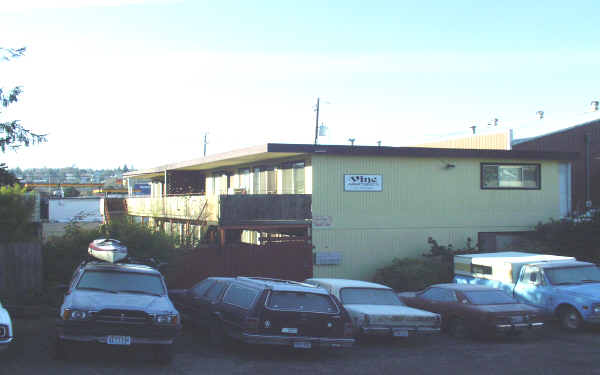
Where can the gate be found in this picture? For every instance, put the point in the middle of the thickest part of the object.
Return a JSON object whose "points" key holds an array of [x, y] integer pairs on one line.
{"points": [[291, 261]]}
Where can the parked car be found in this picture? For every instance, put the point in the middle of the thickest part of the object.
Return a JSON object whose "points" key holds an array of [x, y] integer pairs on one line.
{"points": [[468, 309], [563, 287], [6, 330], [265, 311], [120, 304], [375, 309]]}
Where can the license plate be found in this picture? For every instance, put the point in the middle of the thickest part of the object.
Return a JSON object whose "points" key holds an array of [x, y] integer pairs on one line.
{"points": [[517, 319], [118, 340], [289, 330], [400, 333], [302, 345]]}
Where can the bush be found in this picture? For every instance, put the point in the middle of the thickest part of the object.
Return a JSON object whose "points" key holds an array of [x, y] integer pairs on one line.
{"points": [[410, 274], [63, 254], [16, 209], [435, 267]]}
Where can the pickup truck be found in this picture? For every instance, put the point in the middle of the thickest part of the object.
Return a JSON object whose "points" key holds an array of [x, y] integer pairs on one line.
{"points": [[562, 287]]}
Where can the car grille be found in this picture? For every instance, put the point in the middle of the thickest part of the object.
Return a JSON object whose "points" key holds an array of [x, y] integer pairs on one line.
{"points": [[122, 316]]}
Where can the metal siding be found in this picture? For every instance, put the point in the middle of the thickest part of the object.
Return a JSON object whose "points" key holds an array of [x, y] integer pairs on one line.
{"points": [[420, 199]]}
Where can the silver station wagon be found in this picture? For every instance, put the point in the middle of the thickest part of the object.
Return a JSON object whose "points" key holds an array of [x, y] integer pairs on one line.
{"points": [[375, 309]]}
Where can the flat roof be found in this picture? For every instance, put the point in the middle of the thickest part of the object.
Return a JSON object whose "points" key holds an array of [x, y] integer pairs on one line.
{"points": [[271, 151]]}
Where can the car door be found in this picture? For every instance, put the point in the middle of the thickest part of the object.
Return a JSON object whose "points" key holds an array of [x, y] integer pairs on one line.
{"points": [[196, 306], [531, 287]]}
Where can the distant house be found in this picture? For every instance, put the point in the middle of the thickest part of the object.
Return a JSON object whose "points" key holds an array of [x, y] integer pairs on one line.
{"points": [[359, 206]]}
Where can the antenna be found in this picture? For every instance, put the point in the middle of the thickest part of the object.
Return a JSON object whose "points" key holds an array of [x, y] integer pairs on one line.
{"points": [[473, 128], [317, 121], [205, 143], [351, 141]]}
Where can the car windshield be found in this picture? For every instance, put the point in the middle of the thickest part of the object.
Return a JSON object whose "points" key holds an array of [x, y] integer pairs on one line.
{"points": [[573, 275], [489, 297], [369, 296], [298, 301], [122, 282]]}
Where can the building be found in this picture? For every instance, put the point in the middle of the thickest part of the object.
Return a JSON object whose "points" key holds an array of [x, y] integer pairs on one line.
{"points": [[360, 206]]}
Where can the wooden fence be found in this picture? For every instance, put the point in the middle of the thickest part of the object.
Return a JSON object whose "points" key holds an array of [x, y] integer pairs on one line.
{"points": [[21, 268]]}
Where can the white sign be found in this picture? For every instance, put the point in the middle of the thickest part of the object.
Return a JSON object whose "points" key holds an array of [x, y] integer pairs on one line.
{"points": [[363, 182], [322, 221], [328, 258]]}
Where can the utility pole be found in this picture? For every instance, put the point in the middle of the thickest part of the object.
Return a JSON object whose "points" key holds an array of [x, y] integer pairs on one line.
{"points": [[205, 142], [317, 122]]}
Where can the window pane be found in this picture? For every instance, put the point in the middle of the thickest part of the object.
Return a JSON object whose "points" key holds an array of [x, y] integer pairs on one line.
{"points": [[215, 291], [202, 287], [287, 174], [122, 281], [490, 176], [240, 296], [530, 176], [295, 301], [510, 176], [299, 178], [256, 181]]}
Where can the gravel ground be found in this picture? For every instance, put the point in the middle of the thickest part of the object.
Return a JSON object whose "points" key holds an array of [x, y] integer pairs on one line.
{"points": [[549, 351]]}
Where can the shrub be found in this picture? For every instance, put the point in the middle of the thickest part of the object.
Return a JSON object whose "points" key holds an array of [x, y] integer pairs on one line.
{"points": [[62, 254], [16, 208]]}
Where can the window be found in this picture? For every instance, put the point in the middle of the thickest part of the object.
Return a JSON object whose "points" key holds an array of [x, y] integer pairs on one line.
{"points": [[199, 289], [215, 291], [293, 178], [299, 301], [489, 297], [477, 268], [369, 296], [245, 179], [439, 294], [240, 296], [124, 282], [510, 176]]}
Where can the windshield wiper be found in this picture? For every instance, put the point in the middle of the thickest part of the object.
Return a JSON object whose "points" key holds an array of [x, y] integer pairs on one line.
{"points": [[98, 289], [139, 292]]}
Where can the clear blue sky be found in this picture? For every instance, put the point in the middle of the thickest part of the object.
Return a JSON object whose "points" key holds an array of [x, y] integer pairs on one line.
{"points": [[139, 82]]}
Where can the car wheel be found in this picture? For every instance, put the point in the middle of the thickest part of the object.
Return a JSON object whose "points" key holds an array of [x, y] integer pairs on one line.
{"points": [[164, 354], [218, 336], [570, 319], [59, 350], [457, 328]]}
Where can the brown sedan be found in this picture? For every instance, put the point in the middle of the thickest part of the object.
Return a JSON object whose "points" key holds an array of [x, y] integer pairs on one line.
{"points": [[467, 309]]}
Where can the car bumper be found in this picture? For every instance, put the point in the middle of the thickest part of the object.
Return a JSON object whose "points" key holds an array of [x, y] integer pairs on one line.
{"points": [[518, 326], [296, 341], [99, 333], [4, 343], [398, 331], [592, 318]]}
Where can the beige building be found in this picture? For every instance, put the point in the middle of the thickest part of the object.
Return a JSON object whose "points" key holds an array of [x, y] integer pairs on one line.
{"points": [[361, 206]]}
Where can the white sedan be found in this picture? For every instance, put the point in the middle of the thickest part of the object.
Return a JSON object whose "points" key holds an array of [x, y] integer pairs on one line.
{"points": [[375, 309], [6, 331]]}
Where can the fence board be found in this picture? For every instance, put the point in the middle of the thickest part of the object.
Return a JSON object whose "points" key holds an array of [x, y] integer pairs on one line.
{"points": [[20, 268]]}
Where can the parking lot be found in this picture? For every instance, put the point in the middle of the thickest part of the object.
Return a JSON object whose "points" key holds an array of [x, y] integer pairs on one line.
{"points": [[550, 351]]}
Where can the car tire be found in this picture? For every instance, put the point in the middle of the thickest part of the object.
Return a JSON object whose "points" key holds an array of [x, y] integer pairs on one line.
{"points": [[59, 350], [457, 328], [217, 335], [570, 319], [164, 354]]}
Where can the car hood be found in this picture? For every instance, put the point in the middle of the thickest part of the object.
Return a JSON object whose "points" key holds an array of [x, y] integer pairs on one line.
{"points": [[588, 290], [92, 300], [507, 308]]}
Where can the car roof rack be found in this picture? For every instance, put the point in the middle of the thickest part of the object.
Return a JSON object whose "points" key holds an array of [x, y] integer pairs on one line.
{"points": [[150, 262], [270, 279]]}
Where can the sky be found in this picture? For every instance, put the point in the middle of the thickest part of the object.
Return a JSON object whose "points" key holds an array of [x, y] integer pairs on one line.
{"points": [[140, 82]]}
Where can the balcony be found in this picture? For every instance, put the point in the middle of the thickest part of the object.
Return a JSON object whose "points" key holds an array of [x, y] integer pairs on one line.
{"points": [[186, 207], [264, 209]]}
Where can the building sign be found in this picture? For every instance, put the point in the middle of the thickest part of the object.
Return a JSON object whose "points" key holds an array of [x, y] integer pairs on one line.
{"points": [[321, 221], [363, 182], [328, 258]]}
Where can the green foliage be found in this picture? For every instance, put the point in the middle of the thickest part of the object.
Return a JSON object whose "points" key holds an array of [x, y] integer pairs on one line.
{"points": [[71, 192], [6, 177], [435, 267], [63, 254], [16, 208], [579, 238]]}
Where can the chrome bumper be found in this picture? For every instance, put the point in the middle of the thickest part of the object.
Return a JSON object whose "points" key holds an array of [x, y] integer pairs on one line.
{"points": [[390, 331], [102, 339], [518, 326], [320, 342]]}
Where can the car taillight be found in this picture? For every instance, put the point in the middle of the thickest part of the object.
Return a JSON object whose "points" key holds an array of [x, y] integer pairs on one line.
{"points": [[251, 324], [348, 329]]}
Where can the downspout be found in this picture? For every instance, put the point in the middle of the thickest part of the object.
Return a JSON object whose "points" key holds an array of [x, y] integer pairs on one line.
{"points": [[588, 162]]}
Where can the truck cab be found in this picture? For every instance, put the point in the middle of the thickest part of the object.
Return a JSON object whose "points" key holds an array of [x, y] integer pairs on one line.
{"points": [[561, 286]]}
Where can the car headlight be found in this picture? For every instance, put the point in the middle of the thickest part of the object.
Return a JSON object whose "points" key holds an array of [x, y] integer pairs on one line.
{"points": [[73, 314], [596, 308], [165, 319]]}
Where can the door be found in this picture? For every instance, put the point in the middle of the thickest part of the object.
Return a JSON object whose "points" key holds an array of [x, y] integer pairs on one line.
{"points": [[564, 183], [531, 287]]}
